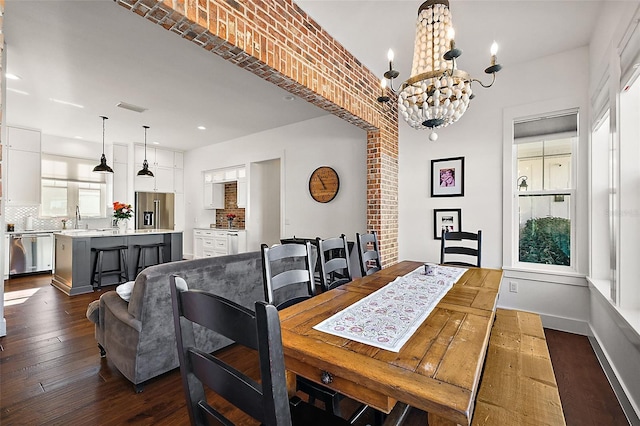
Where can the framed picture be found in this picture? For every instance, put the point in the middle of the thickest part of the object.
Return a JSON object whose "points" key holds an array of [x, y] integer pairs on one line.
{"points": [[449, 220], [447, 177]]}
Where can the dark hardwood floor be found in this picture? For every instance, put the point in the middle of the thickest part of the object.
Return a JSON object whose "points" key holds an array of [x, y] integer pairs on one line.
{"points": [[51, 372]]}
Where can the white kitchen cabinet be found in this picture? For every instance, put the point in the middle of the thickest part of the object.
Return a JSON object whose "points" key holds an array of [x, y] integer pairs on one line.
{"points": [[178, 180], [178, 160], [163, 179], [163, 158], [120, 153], [162, 164], [220, 247], [23, 176], [218, 242], [241, 192], [213, 195], [120, 171], [23, 139]]}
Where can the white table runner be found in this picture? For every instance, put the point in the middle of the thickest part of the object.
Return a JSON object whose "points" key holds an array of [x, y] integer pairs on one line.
{"points": [[388, 317]]}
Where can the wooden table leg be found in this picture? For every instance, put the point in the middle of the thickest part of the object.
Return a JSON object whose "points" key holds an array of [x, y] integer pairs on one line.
{"points": [[291, 383]]}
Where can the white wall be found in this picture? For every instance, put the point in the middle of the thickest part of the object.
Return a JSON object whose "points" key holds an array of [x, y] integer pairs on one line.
{"points": [[301, 147], [478, 137], [75, 148], [616, 330]]}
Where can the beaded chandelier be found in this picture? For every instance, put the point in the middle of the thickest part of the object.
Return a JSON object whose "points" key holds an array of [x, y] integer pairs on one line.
{"points": [[437, 93]]}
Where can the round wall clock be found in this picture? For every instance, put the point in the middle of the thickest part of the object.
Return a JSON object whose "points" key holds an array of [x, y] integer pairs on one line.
{"points": [[324, 184]]}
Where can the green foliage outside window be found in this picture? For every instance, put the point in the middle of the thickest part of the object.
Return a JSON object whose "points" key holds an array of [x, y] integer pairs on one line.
{"points": [[546, 240]]}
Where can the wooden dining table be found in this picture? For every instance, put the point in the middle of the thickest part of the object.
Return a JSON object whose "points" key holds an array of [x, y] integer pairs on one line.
{"points": [[437, 370]]}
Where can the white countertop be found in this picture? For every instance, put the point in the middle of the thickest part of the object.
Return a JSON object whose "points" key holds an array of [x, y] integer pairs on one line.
{"points": [[83, 233], [220, 229]]}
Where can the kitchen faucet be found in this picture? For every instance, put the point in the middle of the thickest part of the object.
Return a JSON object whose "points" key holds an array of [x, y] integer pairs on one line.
{"points": [[78, 218]]}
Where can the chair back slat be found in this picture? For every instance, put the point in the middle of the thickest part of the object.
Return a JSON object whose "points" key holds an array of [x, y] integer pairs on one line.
{"points": [[288, 271], [219, 377], [469, 251], [369, 253], [267, 401], [335, 268], [220, 315]]}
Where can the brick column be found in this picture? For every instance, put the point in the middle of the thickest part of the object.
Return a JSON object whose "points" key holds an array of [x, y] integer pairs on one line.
{"points": [[278, 41]]}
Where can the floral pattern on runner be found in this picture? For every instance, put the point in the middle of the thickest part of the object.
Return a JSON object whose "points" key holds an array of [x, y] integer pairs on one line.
{"points": [[388, 317]]}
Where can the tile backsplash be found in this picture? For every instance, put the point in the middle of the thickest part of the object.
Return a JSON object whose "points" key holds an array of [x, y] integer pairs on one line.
{"points": [[17, 215]]}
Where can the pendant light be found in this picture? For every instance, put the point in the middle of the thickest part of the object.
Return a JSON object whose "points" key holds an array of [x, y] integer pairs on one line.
{"points": [[145, 172], [103, 167]]}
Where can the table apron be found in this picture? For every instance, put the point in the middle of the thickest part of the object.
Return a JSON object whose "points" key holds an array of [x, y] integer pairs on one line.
{"points": [[346, 387]]}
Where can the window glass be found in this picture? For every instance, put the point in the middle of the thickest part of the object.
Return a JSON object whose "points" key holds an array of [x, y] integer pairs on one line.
{"points": [[89, 201], [545, 229], [54, 198], [544, 190]]}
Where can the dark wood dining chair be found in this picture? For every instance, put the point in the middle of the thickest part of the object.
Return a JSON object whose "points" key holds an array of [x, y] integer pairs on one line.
{"points": [[369, 253], [455, 246], [333, 258], [287, 274], [266, 401]]}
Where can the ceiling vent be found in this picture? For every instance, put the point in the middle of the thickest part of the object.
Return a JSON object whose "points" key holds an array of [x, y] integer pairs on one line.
{"points": [[131, 107]]}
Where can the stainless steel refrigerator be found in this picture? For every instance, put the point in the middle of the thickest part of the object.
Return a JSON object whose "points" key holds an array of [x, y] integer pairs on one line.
{"points": [[154, 210]]}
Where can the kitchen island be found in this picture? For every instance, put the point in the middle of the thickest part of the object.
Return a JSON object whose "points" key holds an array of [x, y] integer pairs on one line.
{"points": [[74, 258]]}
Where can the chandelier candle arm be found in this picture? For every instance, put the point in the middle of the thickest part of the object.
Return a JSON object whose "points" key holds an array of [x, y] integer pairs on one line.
{"points": [[437, 93], [383, 98]]}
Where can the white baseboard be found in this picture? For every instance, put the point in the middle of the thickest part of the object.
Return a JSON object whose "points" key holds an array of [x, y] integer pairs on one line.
{"points": [[618, 389], [566, 324]]}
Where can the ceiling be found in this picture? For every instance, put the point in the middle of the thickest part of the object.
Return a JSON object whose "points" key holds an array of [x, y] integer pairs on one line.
{"points": [[72, 51]]}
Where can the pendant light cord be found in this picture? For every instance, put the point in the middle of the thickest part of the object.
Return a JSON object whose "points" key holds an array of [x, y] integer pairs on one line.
{"points": [[145, 142], [103, 119]]}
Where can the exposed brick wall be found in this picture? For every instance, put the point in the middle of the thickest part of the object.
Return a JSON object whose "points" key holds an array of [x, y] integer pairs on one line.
{"points": [[230, 206], [278, 41]]}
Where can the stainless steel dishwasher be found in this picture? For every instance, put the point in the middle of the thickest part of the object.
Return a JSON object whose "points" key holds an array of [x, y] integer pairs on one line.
{"points": [[30, 253]]}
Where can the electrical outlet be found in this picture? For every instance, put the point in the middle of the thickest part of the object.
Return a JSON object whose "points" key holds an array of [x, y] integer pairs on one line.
{"points": [[513, 286]]}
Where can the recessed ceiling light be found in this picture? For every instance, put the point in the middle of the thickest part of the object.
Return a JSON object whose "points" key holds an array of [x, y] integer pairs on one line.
{"points": [[58, 101], [288, 98], [202, 128], [12, 76], [77, 137], [155, 143], [21, 92]]}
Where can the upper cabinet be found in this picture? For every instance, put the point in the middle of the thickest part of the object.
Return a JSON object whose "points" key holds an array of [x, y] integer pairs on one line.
{"points": [[23, 179], [166, 166], [120, 171], [214, 181]]}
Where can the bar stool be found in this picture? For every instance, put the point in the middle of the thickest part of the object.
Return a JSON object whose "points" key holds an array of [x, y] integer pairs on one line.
{"points": [[121, 270], [141, 262]]}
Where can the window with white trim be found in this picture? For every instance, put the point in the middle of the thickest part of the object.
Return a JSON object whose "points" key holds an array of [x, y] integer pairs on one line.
{"points": [[68, 182], [545, 190]]}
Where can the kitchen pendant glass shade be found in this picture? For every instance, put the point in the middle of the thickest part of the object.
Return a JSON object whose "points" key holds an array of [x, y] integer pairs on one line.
{"points": [[103, 167], [145, 172]]}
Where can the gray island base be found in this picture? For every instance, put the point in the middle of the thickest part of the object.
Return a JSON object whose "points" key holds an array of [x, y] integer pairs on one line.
{"points": [[74, 258]]}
